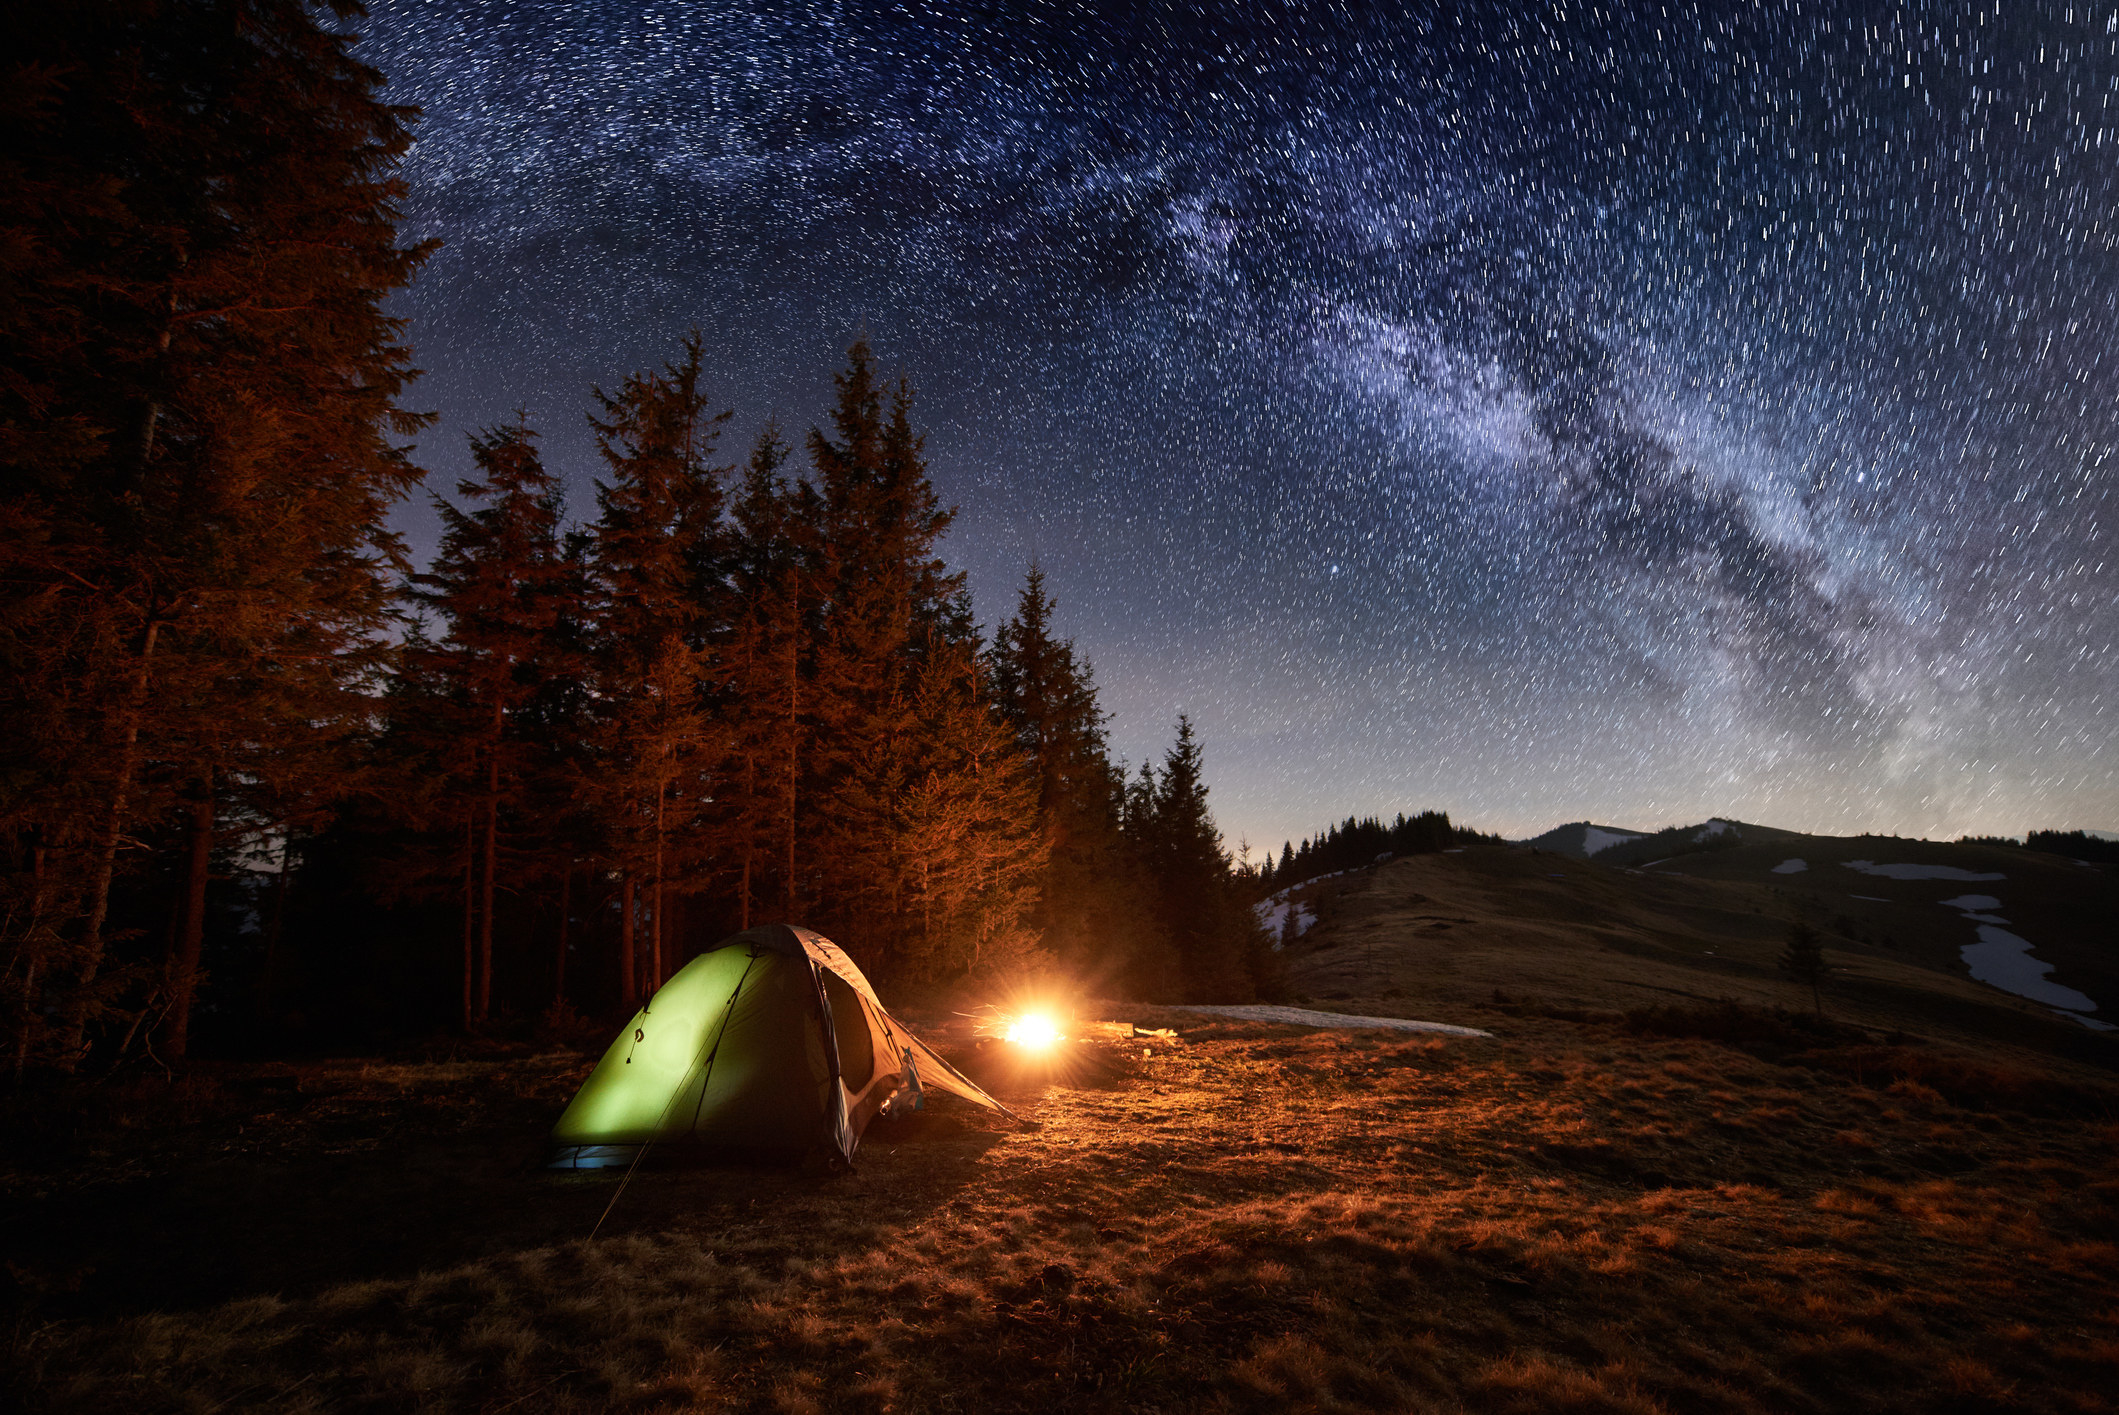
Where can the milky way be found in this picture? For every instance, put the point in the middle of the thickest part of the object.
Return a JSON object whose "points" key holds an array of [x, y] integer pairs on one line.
{"points": [[1637, 414]]}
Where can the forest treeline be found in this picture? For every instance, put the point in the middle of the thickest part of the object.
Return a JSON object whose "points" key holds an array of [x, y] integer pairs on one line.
{"points": [[2075, 844], [1357, 841], [263, 779]]}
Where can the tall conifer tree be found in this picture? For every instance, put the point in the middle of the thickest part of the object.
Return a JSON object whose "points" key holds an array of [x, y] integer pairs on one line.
{"points": [[502, 582], [658, 568], [1219, 946], [919, 820], [1090, 898], [764, 670], [197, 383]]}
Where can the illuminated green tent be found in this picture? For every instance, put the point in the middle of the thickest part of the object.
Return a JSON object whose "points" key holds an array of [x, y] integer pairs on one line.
{"points": [[771, 1040]]}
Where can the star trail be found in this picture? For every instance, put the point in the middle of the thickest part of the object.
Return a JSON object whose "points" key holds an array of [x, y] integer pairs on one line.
{"points": [[1641, 413]]}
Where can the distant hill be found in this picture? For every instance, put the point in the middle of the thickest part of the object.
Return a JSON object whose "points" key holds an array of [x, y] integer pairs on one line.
{"points": [[1995, 942], [1580, 840], [1713, 834], [1616, 845]]}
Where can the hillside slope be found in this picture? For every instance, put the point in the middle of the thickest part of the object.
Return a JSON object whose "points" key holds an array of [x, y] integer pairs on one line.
{"points": [[1450, 929]]}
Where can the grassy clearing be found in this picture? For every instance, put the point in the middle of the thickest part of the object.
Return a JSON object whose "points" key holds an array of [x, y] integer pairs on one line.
{"points": [[1588, 1215]]}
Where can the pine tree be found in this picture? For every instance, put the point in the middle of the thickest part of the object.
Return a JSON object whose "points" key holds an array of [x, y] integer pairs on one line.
{"points": [[964, 828], [1219, 946], [1090, 898], [905, 801], [657, 570], [1803, 962], [501, 581], [764, 669], [197, 387], [877, 578]]}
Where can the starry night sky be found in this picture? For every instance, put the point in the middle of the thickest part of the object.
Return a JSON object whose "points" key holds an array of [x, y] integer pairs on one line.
{"points": [[1634, 413]]}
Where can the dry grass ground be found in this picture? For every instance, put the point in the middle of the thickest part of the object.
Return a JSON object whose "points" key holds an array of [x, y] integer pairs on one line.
{"points": [[1576, 1215]]}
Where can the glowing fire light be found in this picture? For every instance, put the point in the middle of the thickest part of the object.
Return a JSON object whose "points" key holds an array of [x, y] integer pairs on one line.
{"points": [[1033, 1031]]}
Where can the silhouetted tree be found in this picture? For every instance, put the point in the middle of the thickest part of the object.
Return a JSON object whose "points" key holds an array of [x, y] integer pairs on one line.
{"points": [[1802, 961], [1221, 950], [2075, 844], [502, 583], [1091, 898]]}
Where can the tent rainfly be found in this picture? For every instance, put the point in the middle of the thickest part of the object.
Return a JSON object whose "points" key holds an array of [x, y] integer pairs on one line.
{"points": [[771, 1040]]}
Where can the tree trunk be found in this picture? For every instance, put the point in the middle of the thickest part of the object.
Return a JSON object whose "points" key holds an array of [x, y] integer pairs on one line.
{"points": [[268, 976], [655, 934], [794, 761], [111, 835], [29, 1004], [743, 893], [183, 972], [470, 927], [151, 413], [566, 905], [485, 890], [628, 966]]}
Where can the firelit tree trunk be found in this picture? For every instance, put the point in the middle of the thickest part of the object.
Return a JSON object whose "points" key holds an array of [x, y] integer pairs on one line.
{"points": [[485, 883], [183, 973], [125, 764], [794, 768], [662, 791], [628, 964], [470, 929], [747, 841]]}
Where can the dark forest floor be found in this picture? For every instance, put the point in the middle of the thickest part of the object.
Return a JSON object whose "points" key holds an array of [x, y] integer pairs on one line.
{"points": [[1572, 1215]]}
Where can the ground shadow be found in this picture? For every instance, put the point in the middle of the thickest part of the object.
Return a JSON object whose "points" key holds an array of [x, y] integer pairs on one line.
{"points": [[213, 1227]]}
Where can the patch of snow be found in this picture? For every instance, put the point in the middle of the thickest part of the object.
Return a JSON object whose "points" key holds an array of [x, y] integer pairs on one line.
{"points": [[1273, 914], [1971, 903], [1458, 851], [1790, 867], [1595, 840], [1918, 871], [1873, 898], [2003, 960], [1304, 1017], [1714, 827], [1280, 897]]}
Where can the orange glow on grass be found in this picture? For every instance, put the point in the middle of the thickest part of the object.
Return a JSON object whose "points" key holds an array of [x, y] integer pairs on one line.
{"points": [[1033, 1031]]}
